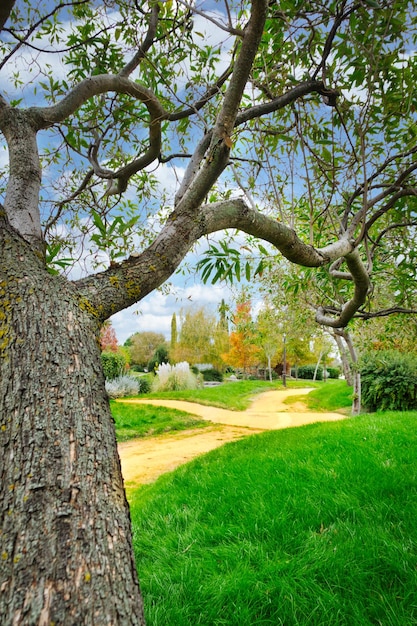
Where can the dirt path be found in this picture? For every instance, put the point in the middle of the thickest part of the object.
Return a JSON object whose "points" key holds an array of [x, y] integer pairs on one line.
{"points": [[143, 460]]}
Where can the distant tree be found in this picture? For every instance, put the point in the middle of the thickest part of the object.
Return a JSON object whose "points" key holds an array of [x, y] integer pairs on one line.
{"points": [[244, 351], [108, 339], [224, 309], [196, 337], [269, 335], [160, 356], [174, 332], [221, 344], [143, 345]]}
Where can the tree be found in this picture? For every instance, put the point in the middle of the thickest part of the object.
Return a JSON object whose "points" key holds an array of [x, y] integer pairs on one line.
{"points": [[295, 126], [244, 351], [142, 346], [174, 332], [108, 339], [196, 337], [269, 334], [159, 356]]}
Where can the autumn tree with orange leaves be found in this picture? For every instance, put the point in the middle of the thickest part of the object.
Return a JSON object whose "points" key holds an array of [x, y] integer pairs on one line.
{"points": [[243, 353]]}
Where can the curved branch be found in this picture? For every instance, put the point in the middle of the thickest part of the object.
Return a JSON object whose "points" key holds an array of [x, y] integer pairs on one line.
{"points": [[94, 86], [387, 230], [122, 285], [362, 284]]}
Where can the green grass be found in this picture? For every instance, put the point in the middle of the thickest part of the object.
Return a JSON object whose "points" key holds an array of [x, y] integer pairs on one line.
{"points": [[145, 420], [235, 395], [311, 526], [331, 395]]}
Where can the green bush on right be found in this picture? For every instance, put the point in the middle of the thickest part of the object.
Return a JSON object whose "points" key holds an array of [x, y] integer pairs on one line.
{"points": [[388, 381]]}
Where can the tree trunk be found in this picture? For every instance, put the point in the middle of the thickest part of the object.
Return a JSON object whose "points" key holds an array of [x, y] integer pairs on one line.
{"points": [[347, 370], [355, 377], [65, 541]]}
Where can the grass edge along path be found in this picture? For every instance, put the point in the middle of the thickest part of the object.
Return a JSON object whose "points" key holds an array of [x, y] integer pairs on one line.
{"points": [[145, 420], [309, 526]]}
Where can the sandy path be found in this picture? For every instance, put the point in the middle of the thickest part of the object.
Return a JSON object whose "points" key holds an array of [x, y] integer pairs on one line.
{"points": [[143, 460]]}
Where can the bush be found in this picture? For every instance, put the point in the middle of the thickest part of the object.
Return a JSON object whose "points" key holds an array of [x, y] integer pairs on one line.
{"points": [[333, 372], [114, 364], [144, 385], [212, 375], [174, 378], [306, 372], [388, 381], [122, 386]]}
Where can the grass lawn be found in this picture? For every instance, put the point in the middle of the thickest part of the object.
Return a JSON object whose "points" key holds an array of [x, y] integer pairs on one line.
{"points": [[145, 420], [305, 526], [329, 396], [236, 395]]}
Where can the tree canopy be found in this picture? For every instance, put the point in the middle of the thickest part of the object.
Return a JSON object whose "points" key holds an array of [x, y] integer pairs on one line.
{"points": [[293, 122]]}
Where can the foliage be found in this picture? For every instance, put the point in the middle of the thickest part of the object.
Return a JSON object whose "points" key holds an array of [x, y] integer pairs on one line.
{"points": [[174, 332], [122, 386], [389, 381], [174, 377], [195, 342], [333, 372], [145, 385], [244, 351], [114, 364], [134, 130], [145, 420], [160, 356], [108, 339], [142, 346], [307, 372], [212, 375], [273, 529]]}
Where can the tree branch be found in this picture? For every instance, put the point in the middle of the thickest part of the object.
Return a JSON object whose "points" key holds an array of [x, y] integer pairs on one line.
{"points": [[362, 287], [94, 86], [145, 45], [122, 285]]}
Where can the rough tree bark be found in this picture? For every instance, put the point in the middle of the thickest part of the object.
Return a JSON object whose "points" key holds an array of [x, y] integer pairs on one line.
{"points": [[66, 554]]}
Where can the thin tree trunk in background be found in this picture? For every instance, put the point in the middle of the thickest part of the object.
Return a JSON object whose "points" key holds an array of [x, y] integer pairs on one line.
{"points": [[354, 373], [347, 370]]}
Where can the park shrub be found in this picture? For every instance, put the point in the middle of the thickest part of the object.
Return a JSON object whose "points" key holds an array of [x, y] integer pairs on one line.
{"points": [[122, 386], [212, 375], [174, 377], [333, 372], [388, 381], [306, 372], [144, 385], [114, 364]]}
